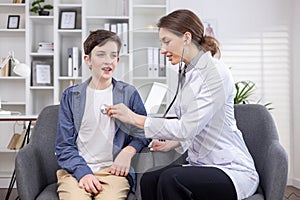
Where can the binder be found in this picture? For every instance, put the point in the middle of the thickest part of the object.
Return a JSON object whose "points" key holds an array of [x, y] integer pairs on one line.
{"points": [[113, 28], [155, 62], [162, 65], [124, 38], [107, 26], [70, 62], [150, 61], [75, 56]]}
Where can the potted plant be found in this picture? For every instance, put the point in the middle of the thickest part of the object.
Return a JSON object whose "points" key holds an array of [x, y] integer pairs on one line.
{"points": [[244, 90], [37, 7]]}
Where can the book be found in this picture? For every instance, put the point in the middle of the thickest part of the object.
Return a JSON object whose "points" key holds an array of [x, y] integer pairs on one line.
{"points": [[5, 69], [18, 1], [17, 140], [45, 47]]}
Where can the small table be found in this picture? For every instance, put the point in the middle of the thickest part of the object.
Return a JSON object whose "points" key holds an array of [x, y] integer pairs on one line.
{"points": [[28, 118]]}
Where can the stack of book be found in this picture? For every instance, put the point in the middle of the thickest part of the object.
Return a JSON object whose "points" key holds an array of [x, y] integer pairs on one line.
{"points": [[18, 1], [7, 70], [45, 47], [16, 141]]}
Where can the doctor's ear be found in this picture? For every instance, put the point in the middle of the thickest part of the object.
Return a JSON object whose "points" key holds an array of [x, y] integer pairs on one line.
{"points": [[187, 37]]}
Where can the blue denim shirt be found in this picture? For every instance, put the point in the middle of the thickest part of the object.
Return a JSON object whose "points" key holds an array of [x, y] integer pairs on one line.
{"points": [[70, 115]]}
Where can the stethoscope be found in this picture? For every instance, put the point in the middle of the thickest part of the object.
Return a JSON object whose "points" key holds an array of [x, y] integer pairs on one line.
{"points": [[180, 76]]}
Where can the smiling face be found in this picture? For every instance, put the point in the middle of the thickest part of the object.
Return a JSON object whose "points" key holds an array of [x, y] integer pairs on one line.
{"points": [[103, 61], [171, 45]]}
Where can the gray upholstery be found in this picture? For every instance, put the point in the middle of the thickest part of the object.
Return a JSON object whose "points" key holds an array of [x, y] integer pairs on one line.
{"points": [[261, 137], [36, 164]]}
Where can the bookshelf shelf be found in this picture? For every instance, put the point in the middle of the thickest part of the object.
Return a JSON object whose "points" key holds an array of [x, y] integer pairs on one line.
{"points": [[35, 54], [150, 6], [140, 15], [12, 4], [69, 5], [69, 32], [41, 87], [12, 30], [13, 103]]}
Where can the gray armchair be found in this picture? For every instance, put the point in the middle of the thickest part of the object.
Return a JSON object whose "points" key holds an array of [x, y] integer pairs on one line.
{"points": [[261, 137], [36, 163]]}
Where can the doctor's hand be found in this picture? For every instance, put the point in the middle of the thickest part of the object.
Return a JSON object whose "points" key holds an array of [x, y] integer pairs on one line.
{"points": [[124, 114], [121, 112], [164, 146], [121, 165], [91, 184]]}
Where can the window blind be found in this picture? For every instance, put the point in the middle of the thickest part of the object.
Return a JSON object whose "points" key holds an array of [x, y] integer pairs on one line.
{"points": [[264, 58]]}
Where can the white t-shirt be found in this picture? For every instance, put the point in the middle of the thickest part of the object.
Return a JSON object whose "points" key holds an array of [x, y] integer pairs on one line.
{"points": [[96, 134]]}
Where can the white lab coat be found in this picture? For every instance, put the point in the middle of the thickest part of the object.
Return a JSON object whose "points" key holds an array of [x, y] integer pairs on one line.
{"points": [[206, 124]]}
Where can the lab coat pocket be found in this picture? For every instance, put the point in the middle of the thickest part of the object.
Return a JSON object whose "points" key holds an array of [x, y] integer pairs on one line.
{"points": [[222, 157]]}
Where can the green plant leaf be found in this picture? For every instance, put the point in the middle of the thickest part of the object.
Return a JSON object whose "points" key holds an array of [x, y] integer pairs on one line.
{"points": [[34, 9], [244, 90], [48, 7], [37, 2]]}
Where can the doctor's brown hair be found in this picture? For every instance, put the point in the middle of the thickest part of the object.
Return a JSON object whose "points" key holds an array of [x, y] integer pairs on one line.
{"points": [[182, 21], [100, 38]]}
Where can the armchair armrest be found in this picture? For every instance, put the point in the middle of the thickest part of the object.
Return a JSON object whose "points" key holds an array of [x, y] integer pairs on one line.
{"points": [[274, 179], [29, 172]]}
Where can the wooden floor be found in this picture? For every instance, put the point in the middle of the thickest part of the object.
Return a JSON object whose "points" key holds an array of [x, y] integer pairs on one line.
{"points": [[291, 193]]}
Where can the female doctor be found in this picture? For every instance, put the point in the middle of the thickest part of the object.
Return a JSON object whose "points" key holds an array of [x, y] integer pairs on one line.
{"points": [[219, 163]]}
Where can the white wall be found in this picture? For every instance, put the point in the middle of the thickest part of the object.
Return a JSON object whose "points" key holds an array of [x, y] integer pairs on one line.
{"points": [[237, 18], [295, 147]]}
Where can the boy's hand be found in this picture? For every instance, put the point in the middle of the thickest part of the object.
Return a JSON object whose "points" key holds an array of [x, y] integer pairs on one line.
{"points": [[121, 165], [90, 184]]}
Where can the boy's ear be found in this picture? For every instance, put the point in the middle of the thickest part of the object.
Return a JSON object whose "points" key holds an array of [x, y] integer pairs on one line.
{"points": [[87, 59]]}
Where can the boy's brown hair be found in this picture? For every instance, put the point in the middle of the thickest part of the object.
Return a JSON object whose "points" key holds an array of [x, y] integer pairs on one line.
{"points": [[100, 38]]}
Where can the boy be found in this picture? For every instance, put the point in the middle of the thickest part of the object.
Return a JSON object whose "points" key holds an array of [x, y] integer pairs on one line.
{"points": [[93, 150]]}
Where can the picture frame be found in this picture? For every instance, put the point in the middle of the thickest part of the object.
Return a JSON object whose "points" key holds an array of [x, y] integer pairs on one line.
{"points": [[42, 73], [68, 19], [210, 27], [13, 21]]}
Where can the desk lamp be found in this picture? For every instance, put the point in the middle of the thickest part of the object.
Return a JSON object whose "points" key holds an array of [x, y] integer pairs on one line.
{"points": [[20, 69]]}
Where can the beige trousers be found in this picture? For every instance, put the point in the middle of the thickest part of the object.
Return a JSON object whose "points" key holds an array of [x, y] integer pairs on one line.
{"points": [[114, 187]]}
